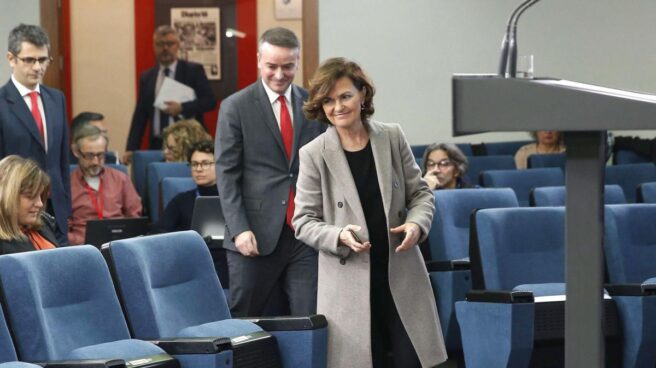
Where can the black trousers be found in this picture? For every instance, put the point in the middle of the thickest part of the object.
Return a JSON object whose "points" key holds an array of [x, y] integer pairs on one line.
{"points": [[388, 336], [291, 268]]}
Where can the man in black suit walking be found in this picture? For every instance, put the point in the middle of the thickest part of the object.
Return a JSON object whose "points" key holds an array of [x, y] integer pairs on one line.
{"points": [[33, 118], [166, 44]]}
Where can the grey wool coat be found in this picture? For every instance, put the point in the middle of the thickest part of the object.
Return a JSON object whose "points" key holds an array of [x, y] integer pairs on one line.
{"points": [[326, 201]]}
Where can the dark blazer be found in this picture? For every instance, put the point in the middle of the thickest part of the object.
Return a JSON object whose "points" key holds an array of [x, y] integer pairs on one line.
{"points": [[191, 74], [20, 136], [253, 172], [18, 246]]}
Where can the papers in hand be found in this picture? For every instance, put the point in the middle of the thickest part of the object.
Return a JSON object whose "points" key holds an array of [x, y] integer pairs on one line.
{"points": [[172, 90]]}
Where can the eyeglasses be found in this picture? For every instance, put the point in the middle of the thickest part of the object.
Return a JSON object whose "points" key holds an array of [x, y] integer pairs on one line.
{"points": [[43, 61], [91, 155], [203, 165], [443, 164], [166, 43]]}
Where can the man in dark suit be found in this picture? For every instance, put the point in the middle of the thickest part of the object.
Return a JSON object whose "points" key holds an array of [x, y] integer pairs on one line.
{"points": [[33, 118], [259, 133], [166, 44]]}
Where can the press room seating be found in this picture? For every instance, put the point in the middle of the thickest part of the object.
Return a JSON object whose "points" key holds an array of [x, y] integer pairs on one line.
{"points": [[156, 172], [522, 181], [555, 196]]}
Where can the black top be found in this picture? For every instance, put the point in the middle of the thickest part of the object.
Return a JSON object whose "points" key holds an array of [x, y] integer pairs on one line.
{"points": [[363, 169], [18, 246], [177, 215]]}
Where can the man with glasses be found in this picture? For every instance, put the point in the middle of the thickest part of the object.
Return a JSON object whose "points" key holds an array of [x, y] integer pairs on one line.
{"points": [[444, 166], [93, 118], [166, 45], [98, 192], [33, 117]]}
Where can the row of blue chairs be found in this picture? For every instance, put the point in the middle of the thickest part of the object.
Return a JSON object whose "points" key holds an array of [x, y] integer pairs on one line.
{"points": [[71, 304], [518, 281]]}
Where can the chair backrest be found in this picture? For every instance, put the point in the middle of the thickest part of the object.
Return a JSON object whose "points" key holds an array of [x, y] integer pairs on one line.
{"points": [[174, 186], [418, 150], [465, 148], [7, 351], [140, 161], [522, 181], [59, 300], [630, 242], [517, 246], [555, 196], [449, 234], [167, 282], [647, 193], [156, 172], [478, 164], [547, 160], [504, 148], [629, 176], [623, 157]]}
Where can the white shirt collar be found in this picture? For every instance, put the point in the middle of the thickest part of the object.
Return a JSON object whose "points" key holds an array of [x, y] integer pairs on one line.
{"points": [[22, 89], [273, 96]]}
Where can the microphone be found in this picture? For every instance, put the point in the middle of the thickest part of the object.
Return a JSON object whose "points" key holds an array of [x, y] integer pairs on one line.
{"points": [[508, 63]]}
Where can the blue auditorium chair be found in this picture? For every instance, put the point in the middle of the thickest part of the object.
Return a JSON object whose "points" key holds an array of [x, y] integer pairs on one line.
{"points": [[418, 150], [630, 251], [647, 192], [504, 148], [522, 181], [140, 161], [172, 274], [478, 164], [546, 160], [623, 157], [174, 186], [449, 243], [157, 171], [61, 306], [555, 196], [8, 357], [514, 315], [466, 149], [629, 176]]}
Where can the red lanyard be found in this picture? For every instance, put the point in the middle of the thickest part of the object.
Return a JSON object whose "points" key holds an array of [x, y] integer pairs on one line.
{"points": [[97, 201]]}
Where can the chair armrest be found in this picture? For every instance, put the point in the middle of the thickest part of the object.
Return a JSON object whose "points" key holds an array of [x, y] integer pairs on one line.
{"points": [[442, 266], [193, 345], [87, 363], [630, 289], [312, 322], [495, 296]]}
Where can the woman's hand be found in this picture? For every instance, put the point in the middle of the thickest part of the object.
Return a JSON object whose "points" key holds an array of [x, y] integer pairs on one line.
{"points": [[412, 234], [348, 237], [432, 180]]}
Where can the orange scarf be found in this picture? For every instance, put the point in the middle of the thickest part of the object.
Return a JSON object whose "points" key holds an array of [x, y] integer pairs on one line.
{"points": [[38, 241]]}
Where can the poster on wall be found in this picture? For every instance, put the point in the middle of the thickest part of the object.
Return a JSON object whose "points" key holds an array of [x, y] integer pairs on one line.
{"points": [[200, 41]]}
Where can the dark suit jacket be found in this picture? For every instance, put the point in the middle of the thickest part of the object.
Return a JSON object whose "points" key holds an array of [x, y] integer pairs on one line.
{"points": [[20, 136], [19, 246], [253, 172], [191, 74]]}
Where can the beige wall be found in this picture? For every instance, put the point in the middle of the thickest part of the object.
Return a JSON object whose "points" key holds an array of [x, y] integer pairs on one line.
{"points": [[266, 19], [102, 63]]}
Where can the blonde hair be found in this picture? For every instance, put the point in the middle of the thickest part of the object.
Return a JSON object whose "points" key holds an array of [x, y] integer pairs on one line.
{"points": [[19, 176], [186, 134]]}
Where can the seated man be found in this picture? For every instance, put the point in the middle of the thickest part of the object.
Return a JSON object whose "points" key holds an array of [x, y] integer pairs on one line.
{"points": [[82, 119], [444, 166], [97, 192]]}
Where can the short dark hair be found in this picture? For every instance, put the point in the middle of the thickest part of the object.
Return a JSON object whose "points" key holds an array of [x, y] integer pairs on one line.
{"points": [[84, 118], [205, 146], [452, 151], [164, 30], [88, 131], [35, 35], [325, 78], [281, 37]]}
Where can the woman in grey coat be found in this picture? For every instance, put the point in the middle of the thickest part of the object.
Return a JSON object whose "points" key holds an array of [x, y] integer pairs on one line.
{"points": [[361, 202]]}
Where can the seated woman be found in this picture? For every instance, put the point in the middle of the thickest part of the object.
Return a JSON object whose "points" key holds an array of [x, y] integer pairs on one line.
{"points": [[180, 137], [177, 215], [444, 166], [24, 225], [546, 141]]}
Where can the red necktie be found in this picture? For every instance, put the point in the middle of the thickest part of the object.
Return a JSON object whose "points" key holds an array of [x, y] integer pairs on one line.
{"points": [[36, 113], [287, 133]]}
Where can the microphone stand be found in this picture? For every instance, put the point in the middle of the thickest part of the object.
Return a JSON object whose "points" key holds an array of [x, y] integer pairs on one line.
{"points": [[508, 63]]}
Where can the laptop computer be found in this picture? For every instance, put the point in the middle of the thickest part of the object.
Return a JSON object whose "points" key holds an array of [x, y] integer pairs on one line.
{"points": [[104, 231], [208, 220]]}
